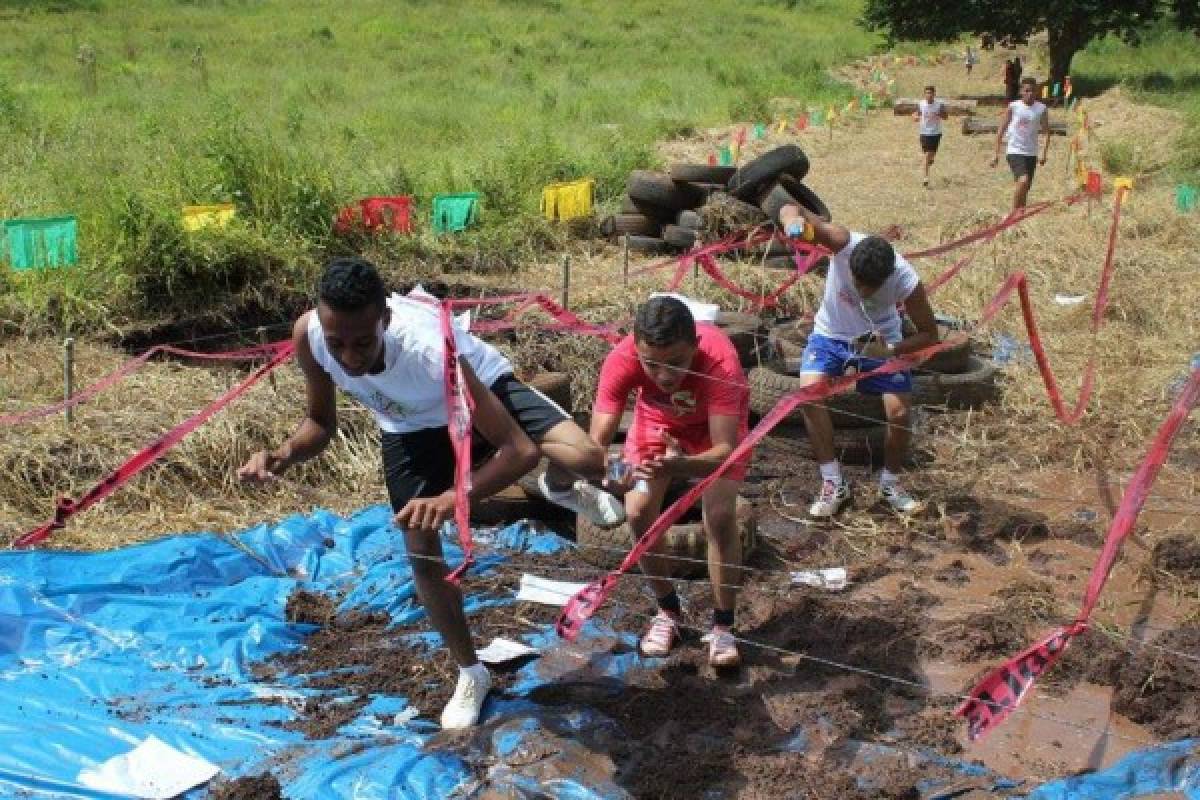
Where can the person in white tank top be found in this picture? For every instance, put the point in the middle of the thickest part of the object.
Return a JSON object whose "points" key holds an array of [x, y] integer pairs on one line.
{"points": [[1024, 120], [929, 115], [389, 353]]}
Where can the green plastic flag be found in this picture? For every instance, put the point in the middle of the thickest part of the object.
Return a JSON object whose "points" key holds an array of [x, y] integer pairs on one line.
{"points": [[817, 118], [1057, 87], [455, 212], [41, 243], [1185, 198], [726, 156], [760, 130]]}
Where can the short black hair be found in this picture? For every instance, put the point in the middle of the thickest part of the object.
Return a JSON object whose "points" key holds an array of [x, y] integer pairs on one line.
{"points": [[664, 321], [930, 88], [1029, 81], [351, 284], [873, 261]]}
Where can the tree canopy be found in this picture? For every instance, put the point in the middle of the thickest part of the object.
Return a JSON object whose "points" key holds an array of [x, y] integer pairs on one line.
{"points": [[1070, 24]]}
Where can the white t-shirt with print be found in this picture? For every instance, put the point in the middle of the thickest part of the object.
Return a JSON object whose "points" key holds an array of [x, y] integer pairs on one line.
{"points": [[1023, 128], [930, 116], [409, 394], [841, 315]]}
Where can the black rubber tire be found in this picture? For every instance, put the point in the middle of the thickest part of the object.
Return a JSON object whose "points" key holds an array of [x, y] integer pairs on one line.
{"points": [[676, 236], [555, 385], [701, 173], [789, 191], [747, 334], [786, 341], [749, 181], [659, 190], [778, 247], [631, 206], [509, 505], [973, 388], [858, 446], [806, 196], [690, 219], [952, 361], [780, 262], [648, 244], [769, 384], [637, 224], [685, 540]]}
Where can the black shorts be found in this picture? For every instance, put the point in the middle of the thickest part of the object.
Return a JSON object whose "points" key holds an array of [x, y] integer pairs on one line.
{"points": [[930, 142], [421, 463], [1022, 165]]}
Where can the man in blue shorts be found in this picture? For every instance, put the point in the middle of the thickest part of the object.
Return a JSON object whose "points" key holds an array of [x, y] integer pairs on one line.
{"points": [[858, 326]]}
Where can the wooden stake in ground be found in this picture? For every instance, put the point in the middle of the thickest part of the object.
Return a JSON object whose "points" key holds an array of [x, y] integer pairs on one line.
{"points": [[625, 261], [566, 289], [68, 377], [262, 339]]}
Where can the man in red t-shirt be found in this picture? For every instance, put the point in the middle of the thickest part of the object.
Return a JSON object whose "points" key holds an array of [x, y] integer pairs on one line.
{"points": [[692, 408]]}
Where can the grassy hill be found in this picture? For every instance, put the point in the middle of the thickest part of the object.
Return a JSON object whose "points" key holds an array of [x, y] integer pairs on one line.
{"points": [[292, 109]]}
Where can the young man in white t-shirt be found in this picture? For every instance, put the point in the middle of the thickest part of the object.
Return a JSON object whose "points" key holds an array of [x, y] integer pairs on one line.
{"points": [[389, 352], [858, 326], [930, 113], [1023, 121]]}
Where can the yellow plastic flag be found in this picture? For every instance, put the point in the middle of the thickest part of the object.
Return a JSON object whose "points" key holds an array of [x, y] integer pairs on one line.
{"points": [[1045, 91], [210, 216], [569, 200], [832, 114], [734, 150], [1122, 183], [782, 126]]}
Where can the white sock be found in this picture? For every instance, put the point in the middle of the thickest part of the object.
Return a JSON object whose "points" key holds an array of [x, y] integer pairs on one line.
{"points": [[888, 478], [831, 471], [476, 671]]}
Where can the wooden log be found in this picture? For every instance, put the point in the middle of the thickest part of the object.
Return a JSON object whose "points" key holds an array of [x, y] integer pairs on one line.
{"points": [[974, 125], [955, 107], [987, 99]]}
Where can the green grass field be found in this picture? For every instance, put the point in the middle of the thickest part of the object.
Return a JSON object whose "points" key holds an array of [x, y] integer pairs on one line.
{"points": [[1163, 69], [292, 109]]}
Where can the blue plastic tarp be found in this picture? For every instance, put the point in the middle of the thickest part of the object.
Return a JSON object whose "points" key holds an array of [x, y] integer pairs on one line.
{"points": [[98, 651]]}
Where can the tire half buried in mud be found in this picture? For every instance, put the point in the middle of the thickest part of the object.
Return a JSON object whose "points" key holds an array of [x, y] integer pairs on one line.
{"points": [[685, 540]]}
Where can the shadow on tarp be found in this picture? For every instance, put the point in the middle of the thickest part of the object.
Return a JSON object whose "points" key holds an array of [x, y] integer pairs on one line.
{"points": [[98, 651]]}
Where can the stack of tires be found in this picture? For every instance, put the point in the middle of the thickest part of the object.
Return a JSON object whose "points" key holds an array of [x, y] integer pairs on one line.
{"points": [[953, 379], [672, 211]]}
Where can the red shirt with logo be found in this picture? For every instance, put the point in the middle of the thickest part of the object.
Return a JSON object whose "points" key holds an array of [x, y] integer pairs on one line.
{"points": [[713, 386]]}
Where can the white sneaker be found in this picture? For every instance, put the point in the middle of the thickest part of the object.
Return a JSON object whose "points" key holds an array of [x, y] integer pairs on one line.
{"points": [[901, 501], [833, 497], [463, 709], [597, 505]]}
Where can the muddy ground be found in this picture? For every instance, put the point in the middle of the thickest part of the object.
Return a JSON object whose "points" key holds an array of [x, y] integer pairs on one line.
{"points": [[934, 601]]}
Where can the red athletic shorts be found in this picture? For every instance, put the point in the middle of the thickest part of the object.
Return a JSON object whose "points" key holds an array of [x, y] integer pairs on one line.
{"points": [[644, 441]]}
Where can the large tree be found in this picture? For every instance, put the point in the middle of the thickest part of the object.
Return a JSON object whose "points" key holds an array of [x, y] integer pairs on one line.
{"points": [[1069, 24]]}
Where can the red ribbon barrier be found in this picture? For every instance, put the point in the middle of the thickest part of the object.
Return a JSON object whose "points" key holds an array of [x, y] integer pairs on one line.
{"points": [[1001, 690], [585, 603], [67, 508], [1014, 218], [566, 321], [459, 411], [124, 371]]}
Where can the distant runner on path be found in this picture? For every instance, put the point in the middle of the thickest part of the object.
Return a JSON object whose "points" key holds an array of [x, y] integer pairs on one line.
{"points": [[930, 113], [389, 353], [1023, 121]]}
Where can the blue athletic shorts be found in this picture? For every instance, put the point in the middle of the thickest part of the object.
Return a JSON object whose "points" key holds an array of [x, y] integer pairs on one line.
{"points": [[825, 356]]}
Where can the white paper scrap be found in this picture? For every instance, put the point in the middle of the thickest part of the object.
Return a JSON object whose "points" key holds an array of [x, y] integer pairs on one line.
{"points": [[833, 578], [153, 770], [501, 650], [547, 592], [1069, 299]]}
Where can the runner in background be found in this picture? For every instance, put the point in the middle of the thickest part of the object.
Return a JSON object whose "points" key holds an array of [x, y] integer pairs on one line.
{"points": [[388, 352], [858, 326], [1023, 120], [929, 114], [692, 409], [970, 59]]}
